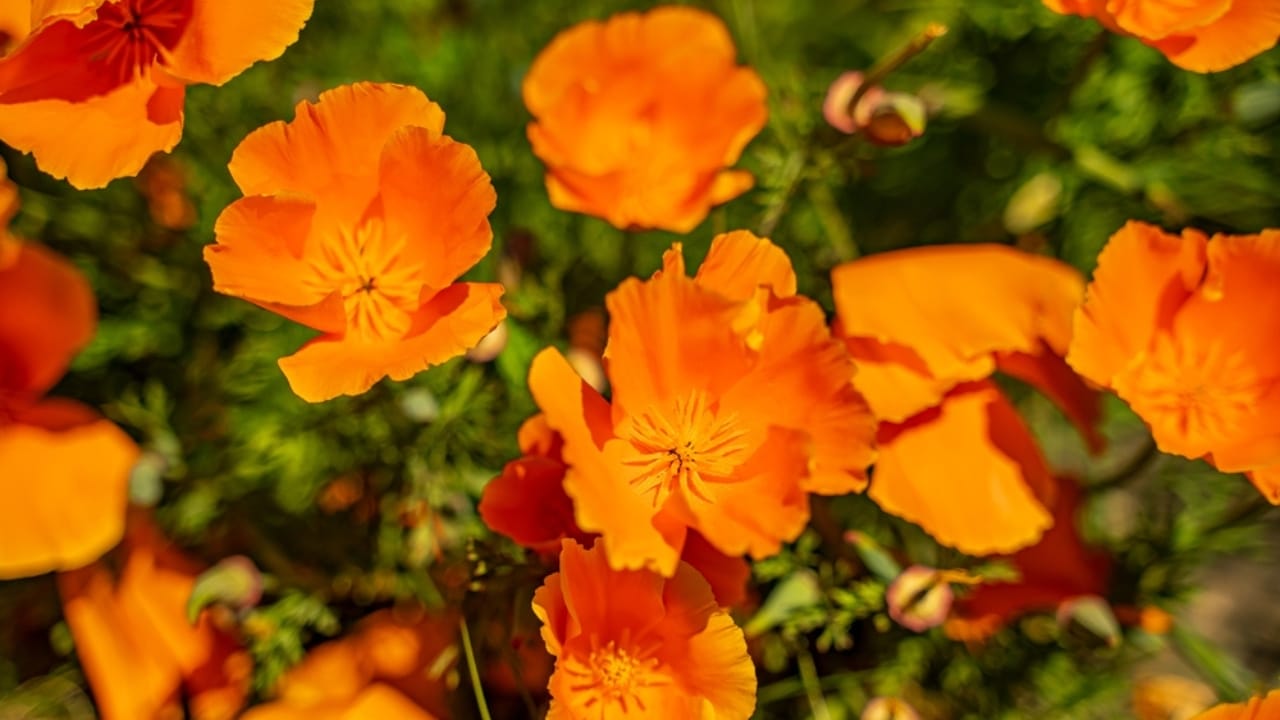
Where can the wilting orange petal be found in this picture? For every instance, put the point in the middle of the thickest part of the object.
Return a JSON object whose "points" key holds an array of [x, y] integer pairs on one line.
{"points": [[115, 133], [224, 37], [603, 499], [258, 257], [938, 302], [332, 149], [528, 504], [453, 321], [67, 487], [968, 472], [1056, 569], [1258, 708], [47, 314], [739, 263], [435, 192]]}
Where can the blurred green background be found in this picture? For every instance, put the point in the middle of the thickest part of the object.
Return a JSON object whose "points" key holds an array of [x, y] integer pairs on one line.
{"points": [[1045, 131]]}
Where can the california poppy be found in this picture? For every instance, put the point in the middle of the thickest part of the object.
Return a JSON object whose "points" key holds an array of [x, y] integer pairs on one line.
{"points": [[66, 469], [638, 117], [133, 638], [392, 665], [1258, 708], [1183, 329], [528, 504], [113, 75], [731, 448], [926, 328], [634, 642], [357, 219], [1057, 569], [1199, 36]]}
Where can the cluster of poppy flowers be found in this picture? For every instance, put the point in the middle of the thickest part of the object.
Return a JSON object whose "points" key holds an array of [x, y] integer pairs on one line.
{"points": [[732, 399]]}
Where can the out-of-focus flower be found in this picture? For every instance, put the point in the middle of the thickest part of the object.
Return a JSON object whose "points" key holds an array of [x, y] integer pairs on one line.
{"points": [[731, 403], [920, 597], [632, 641], [1183, 329], [395, 664], [528, 504], [884, 118], [133, 638], [926, 328], [1258, 708], [66, 470], [1170, 697], [113, 74], [1054, 571], [1200, 36], [887, 708], [490, 346], [638, 117], [359, 217], [164, 185]]}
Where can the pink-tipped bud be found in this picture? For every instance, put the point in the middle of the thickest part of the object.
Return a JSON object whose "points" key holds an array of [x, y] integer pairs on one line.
{"points": [[920, 598], [836, 107]]}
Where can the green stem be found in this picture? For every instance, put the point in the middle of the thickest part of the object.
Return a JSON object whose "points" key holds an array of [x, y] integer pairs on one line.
{"points": [[473, 670], [812, 687], [889, 63]]}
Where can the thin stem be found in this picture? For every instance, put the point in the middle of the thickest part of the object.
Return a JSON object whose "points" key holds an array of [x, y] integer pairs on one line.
{"points": [[472, 670], [889, 63], [812, 688]]}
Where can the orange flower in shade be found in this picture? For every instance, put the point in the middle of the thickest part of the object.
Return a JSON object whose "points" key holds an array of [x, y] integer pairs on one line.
{"points": [[926, 328], [1200, 35], [66, 470], [731, 403], [1057, 569], [631, 643], [1258, 708], [359, 217], [1183, 329], [528, 504], [113, 74], [141, 654], [638, 117], [393, 665]]}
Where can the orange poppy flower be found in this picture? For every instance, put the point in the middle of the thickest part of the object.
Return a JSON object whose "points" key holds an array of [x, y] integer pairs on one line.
{"points": [[66, 470], [358, 218], [528, 504], [1057, 569], [926, 327], [391, 666], [638, 117], [631, 642], [113, 75], [1258, 708], [1176, 325], [1204, 36], [137, 647], [730, 448]]}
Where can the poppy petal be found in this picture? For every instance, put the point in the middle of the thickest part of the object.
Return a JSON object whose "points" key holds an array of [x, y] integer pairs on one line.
{"points": [[444, 328], [739, 263], [224, 37], [47, 314], [1247, 29]]}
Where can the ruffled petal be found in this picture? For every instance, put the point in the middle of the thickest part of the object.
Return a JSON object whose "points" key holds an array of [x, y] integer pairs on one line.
{"points": [[115, 133], [1248, 29], [435, 193], [446, 327], [224, 37], [739, 263], [968, 472], [332, 149]]}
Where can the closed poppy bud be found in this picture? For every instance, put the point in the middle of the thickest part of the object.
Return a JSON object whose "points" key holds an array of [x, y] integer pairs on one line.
{"points": [[1093, 614], [886, 708], [235, 581], [836, 107], [896, 119], [919, 599]]}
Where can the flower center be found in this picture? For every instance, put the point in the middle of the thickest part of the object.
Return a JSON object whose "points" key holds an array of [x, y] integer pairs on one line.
{"points": [[128, 36], [614, 673], [379, 288], [685, 448]]}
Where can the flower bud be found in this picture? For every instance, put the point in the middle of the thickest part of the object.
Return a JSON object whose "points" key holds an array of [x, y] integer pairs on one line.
{"points": [[920, 598], [895, 119], [886, 708], [234, 581]]}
